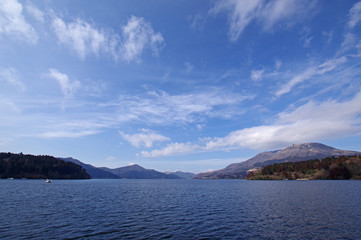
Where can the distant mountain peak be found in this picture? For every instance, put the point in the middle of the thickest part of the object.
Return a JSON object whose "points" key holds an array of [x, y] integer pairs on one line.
{"points": [[94, 172], [292, 153], [310, 145], [134, 167]]}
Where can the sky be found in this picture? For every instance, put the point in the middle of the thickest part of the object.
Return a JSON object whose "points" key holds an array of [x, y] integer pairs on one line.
{"points": [[178, 85]]}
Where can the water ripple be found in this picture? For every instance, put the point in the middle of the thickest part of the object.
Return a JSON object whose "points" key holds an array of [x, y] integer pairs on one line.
{"points": [[157, 209]]}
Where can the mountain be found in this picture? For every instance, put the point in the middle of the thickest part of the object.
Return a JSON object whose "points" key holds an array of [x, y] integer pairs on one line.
{"points": [[39, 167], [292, 153], [94, 172], [130, 172], [137, 172], [183, 175]]}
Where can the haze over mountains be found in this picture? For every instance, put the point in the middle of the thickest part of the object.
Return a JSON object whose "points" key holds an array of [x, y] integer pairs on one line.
{"points": [[137, 172], [94, 172], [184, 175], [292, 153], [129, 172]]}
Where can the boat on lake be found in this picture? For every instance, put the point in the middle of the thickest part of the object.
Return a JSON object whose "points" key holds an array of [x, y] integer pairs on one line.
{"points": [[48, 181]]}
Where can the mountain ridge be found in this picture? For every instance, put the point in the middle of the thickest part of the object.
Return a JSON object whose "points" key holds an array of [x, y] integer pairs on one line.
{"points": [[94, 172], [137, 172], [291, 153], [184, 175], [128, 172]]}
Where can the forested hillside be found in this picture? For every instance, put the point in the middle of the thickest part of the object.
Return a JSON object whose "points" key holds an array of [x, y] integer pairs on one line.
{"points": [[37, 167], [292, 153], [328, 168]]}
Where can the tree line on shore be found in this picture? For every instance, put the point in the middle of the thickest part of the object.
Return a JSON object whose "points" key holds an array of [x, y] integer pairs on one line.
{"points": [[38, 167], [330, 168]]}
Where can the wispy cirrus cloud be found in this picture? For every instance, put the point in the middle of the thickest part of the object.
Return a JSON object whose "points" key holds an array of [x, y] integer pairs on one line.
{"points": [[145, 138], [256, 75], [138, 35], [151, 108], [189, 67], [11, 76], [320, 69], [351, 43], [354, 15], [68, 87], [70, 128], [309, 122], [5, 140], [7, 107], [171, 149], [85, 38], [13, 23], [197, 22], [160, 107], [67, 134], [266, 13], [35, 12]]}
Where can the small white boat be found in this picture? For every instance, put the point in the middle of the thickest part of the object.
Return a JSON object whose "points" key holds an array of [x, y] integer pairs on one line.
{"points": [[48, 181]]}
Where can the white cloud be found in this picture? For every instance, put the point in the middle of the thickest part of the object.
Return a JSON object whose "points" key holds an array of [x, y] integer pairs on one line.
{"points": [[278, 64], [110, 159], [11, 76], [355, 15], [321, 69], [84, 38], [310, 122], [73, 128], [305, 36], [351, 42], [67, 134], [5, 140], [7, 107], [159, 107], [145, 138], [307, 41], [35, 12], [197, 22], [350, 45], [328, 36], [13, 23], [348, 42], [67, 87], [242, 13], [171, 149], [137, 35], [257, 74], [189, 66], [266, 13]]}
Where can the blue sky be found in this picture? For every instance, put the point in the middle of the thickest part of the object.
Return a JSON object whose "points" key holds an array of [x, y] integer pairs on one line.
{"points": [[178, 85]]}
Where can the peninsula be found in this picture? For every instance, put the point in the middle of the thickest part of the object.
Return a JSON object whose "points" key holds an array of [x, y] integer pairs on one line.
{"points": [[38, 167], [330, 168]]}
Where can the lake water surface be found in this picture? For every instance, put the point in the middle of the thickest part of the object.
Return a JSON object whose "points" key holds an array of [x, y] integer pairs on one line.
{"points": [[180, 209]]}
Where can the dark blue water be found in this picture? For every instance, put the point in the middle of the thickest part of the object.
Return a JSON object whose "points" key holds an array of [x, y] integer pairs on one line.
{"points": [[180, 209]]}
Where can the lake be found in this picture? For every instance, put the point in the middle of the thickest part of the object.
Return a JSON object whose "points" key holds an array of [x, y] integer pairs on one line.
{"points": [[179, 209]]}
